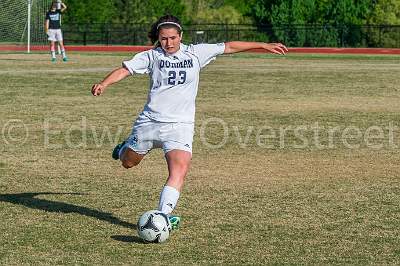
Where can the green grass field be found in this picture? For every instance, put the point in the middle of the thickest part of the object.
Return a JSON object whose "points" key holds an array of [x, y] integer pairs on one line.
{"points": [[296, 160]]}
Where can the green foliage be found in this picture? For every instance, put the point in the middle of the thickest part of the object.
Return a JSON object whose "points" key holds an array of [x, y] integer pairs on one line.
{"points": [[347, 11], [322, 22], [215, 11], [158, 8], [89, 11], [291, 14], [222, 15], [311, 11], [135, 11], [285, 16], [120, 11], [244, 7], [386, 12], [274, 12]]}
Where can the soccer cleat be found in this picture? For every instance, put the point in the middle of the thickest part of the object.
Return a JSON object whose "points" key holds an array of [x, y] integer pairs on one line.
{"points": [[65, 59], [174, 221], [53, 59], [115, 153]]}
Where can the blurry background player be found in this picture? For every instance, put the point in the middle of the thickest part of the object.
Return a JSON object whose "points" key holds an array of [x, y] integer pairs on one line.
{"points": [[53, 28]]}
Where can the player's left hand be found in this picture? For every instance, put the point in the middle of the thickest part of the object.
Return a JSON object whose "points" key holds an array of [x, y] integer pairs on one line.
{"points": [[276, 48]]}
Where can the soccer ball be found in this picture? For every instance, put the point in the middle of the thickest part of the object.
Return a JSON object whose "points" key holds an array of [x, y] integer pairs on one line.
{"points": [[154, 226]]}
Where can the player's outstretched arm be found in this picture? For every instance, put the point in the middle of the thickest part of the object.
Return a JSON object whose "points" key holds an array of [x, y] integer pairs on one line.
{"points": [[236, 47], [115, 76]]}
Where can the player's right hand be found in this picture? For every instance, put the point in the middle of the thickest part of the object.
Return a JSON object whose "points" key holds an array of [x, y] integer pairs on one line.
{"points": [[97, 89], [276, 48]]}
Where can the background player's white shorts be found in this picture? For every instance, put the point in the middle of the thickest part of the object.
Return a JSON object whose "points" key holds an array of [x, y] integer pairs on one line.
{"points": [[55, 35], [148, 134]]}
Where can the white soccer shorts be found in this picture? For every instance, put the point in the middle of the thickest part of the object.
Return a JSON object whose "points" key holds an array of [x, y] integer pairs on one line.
{"points": [[55, 35], [148, 134]]}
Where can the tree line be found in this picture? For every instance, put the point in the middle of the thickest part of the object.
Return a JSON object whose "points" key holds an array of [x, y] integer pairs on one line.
{"points": [[296, 22], [268, 12]]}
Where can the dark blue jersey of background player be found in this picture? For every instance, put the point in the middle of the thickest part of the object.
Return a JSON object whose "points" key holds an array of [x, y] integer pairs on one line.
{"points": [[54, 18]]}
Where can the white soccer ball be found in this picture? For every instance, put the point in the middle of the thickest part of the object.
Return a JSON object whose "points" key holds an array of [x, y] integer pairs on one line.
{"points": [[154, 226]]}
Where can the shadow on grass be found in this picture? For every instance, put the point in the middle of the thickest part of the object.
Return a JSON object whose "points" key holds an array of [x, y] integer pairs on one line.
{"points": [[29, 200], [128, 239]]}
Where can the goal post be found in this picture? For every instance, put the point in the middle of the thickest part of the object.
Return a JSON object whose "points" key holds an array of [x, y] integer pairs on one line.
{"points": [[28, 30], [22, 23]]}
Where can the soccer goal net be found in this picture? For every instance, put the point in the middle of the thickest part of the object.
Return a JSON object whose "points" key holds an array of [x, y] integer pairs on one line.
{"points": [[22, 22]]}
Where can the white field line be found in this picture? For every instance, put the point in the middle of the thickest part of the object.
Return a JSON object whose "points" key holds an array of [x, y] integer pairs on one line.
{"points": [[64, 70]]}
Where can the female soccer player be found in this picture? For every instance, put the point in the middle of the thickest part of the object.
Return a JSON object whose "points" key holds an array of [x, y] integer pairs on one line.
{"points": [[167, 120]]}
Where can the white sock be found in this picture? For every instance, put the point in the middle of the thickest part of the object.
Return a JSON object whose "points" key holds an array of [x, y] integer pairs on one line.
{"points": [[63, 53], [168, 199], [53, 54]]}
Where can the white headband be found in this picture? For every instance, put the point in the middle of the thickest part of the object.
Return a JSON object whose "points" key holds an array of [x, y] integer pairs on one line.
{"points": [[166, 23]]}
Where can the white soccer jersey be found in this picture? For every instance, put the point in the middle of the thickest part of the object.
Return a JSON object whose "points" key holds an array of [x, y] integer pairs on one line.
{"points": [[174, 79]]}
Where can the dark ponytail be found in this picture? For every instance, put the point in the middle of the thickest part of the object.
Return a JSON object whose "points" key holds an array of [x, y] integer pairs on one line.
{"points": [[155, 28]]}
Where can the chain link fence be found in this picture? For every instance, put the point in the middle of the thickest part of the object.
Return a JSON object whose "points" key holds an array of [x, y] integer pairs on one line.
{"points": [[292, 35]]}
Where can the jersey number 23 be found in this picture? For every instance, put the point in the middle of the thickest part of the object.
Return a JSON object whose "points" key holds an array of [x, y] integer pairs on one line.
{"points": [[175, 77]]}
